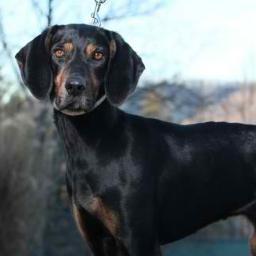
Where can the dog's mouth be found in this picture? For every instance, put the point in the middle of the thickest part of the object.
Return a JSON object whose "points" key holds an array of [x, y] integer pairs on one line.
{"points": [[73, 106]]}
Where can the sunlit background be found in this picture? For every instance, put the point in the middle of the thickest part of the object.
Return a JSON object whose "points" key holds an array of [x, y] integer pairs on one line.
{"points": [[200, 59]]}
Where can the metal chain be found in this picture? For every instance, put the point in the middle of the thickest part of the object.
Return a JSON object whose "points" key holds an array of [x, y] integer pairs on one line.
{"points": [[95, 15]]}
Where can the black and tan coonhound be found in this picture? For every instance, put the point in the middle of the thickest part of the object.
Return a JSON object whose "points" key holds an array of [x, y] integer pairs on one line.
{"points": [[135, 183]]}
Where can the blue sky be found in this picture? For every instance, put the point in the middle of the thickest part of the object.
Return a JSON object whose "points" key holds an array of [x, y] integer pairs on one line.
{"points": [[192, 39]]}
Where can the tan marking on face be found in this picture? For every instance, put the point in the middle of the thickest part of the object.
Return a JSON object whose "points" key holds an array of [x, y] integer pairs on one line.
{"points": [[95, 84], [68, 47], [60, 81], [112, 48], [90, 49], [108, 217]]}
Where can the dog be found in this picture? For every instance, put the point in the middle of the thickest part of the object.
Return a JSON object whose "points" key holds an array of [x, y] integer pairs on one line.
{"points": [[134, 183]]}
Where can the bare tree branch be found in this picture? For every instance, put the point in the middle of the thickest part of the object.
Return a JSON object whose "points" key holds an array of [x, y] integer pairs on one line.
{"points": [[49, 12], [130, 9], [45, 14], [37, 7], [8, 54]]}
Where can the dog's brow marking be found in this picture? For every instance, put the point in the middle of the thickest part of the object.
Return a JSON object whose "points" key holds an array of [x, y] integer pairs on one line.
{"points": [[68, 47], [90, 48]]}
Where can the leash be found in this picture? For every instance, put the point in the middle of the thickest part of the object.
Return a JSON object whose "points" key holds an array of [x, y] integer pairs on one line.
{"points": [[95, 15], [99, 101], [97, 22]]}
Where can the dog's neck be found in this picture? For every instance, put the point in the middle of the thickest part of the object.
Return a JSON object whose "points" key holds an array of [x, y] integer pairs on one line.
{"points": [[90, 127]]}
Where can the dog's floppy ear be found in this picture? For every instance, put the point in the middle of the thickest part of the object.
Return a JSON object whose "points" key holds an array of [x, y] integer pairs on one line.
{"points": [[124, 70], [34, 63]]}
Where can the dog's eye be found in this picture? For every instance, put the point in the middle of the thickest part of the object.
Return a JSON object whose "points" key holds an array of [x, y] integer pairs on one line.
{"points": [[59, 53], [97, 55]]}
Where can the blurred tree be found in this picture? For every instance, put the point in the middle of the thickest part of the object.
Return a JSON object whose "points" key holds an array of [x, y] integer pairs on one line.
{"points": [[8, 54], [32, 166], [45, 14], [130, 8], [33, 181]]}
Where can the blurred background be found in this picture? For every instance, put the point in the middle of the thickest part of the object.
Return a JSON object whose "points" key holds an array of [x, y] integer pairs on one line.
{"points": [[200, 65]]}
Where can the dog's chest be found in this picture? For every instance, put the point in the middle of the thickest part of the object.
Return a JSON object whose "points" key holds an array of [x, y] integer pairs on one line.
{"points": [[100, 200]]}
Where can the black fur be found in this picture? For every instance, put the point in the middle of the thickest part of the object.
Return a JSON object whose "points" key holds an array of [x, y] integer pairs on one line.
{"points": [[155, 182], [35, 66], [126, 66]]}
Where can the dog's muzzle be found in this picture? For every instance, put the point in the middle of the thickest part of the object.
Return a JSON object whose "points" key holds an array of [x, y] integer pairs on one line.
{"points": [[78, 112]]}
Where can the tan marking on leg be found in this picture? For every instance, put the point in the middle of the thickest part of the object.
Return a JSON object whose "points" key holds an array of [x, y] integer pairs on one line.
{"points": [[108, 217], [79, 222], [253, 244]]}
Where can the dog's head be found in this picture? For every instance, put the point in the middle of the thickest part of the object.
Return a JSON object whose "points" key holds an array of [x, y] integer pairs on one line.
{"points": [[77, 64]]}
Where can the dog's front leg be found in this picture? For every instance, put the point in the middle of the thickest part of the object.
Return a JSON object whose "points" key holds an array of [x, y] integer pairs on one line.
{"points": [[139, 234], [98, 238], [140, 249], [131, 241]]}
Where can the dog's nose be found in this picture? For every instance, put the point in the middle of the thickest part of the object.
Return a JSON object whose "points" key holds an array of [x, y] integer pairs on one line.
{"points": [[75, 87]]}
